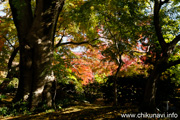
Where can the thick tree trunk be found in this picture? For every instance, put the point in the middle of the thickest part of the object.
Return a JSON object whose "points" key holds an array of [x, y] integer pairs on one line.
{"points": [[42, 70], [36, 38], [42, 35], [23, 19], [149, 103], [26, 73]]}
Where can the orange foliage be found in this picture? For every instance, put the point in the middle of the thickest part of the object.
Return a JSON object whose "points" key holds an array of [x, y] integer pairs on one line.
{"points": [[91, 63]]}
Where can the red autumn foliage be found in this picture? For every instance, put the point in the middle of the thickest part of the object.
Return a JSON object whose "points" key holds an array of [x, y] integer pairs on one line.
{"points": [[92, 62]]}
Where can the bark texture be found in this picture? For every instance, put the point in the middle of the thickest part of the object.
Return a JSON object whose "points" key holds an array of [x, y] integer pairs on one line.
{"points": [[149, 103], [36, 37]]}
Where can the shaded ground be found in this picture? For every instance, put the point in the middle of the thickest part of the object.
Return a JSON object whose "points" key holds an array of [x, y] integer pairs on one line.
{"points": [[84, 111], [79, 112]]}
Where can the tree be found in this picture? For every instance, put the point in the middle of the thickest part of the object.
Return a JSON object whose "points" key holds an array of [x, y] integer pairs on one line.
{"points": [[167, 47], [121, 28], [36, 30], [9, 47], [36, 27]]}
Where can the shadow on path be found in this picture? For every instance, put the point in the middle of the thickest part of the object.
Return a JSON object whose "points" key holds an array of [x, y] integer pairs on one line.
{"points": [[80, 112]]}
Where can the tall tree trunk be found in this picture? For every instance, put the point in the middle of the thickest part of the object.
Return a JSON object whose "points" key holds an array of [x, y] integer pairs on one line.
{"points": [[26, 71], [162, 63], [149, 103], [115, 82], [23, 19], [36, 38], [42, 35]]}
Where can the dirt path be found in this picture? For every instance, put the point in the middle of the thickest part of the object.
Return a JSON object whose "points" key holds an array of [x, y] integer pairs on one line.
{"points": [[78, 112]]}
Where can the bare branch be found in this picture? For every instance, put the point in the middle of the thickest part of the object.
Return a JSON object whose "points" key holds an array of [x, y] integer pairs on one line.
{"points": [[8, 41]]}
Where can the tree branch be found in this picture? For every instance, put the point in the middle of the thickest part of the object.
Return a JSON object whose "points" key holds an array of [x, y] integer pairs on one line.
{"points": [[8, 41], [58, 44], [74, 43], [158, 28], [59, 9], [78, 43], [13, 55], [112, 36], [175, 41]]}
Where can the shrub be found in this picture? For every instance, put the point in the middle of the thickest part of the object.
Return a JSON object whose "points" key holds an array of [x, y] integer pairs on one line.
{"points": [[15, 109], [130, 89], [4, 111], [92, 91]]}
